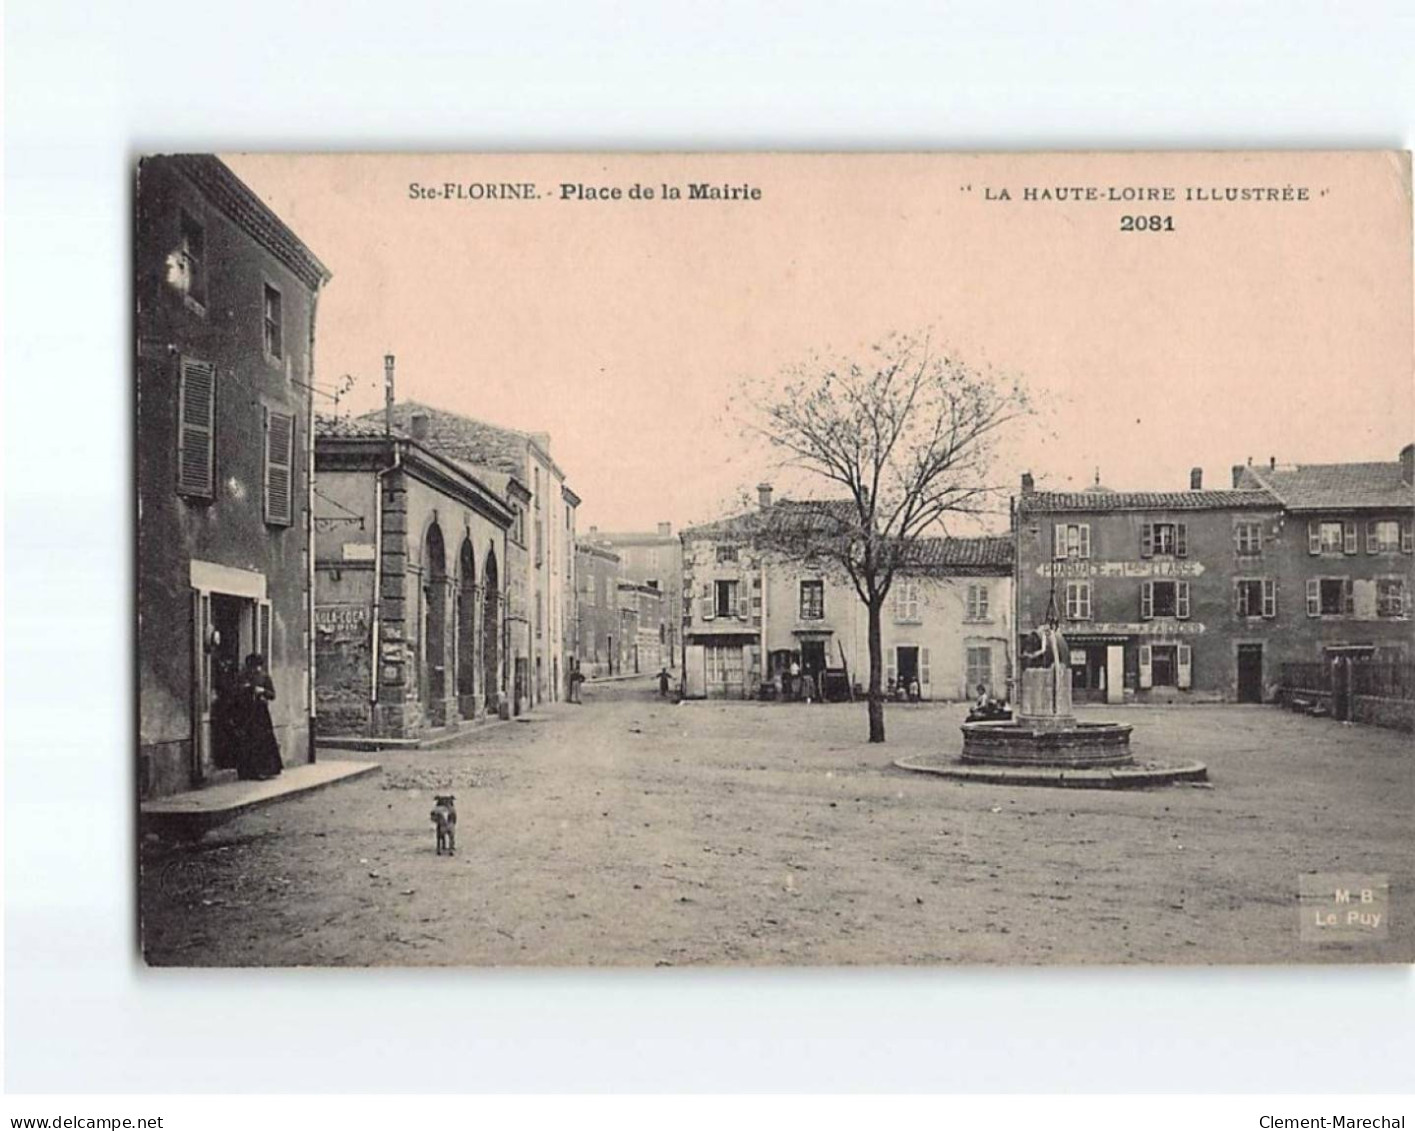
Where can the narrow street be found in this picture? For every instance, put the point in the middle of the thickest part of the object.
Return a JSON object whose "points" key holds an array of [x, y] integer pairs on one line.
{"points": [[630, 831]]}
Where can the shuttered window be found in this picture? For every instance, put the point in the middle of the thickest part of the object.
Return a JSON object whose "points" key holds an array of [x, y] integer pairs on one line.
{"points": [[279, 467], [196, 429]]}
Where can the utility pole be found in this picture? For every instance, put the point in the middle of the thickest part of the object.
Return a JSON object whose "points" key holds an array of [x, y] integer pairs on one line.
{"points": [[388, 394]]}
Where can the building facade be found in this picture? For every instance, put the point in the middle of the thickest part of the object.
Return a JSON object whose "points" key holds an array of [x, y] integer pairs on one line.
{"points": [[750, 614], [226, 297], [1163, 596], [411, 612], [652, 558], [1344, 556], [643, 628], [549, 523], [597, 602]]}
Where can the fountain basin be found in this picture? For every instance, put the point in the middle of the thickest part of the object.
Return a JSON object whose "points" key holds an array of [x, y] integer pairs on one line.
{"points": [[1075, 745]]}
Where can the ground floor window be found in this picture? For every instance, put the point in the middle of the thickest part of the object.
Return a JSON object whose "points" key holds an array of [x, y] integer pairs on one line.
{"points": [[1166, 665], [978, 668]]}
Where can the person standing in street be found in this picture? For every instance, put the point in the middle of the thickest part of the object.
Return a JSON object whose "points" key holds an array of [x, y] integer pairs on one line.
{"points": [[663, 683], [257, 751]]}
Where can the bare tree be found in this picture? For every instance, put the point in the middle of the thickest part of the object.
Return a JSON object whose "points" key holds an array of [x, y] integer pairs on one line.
{"points": [[905, 438]]}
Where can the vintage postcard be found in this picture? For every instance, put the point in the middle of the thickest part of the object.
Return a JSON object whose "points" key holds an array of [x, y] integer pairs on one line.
{"points": [[775, 559]]}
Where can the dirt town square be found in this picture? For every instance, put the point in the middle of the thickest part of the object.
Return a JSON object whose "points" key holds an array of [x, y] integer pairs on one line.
{"points": [[630, 831]]}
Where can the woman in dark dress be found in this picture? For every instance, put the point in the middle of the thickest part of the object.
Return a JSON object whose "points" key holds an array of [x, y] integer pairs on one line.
{"points": [[258, 756]]}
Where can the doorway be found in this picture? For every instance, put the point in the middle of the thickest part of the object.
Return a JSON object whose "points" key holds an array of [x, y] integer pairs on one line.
{"points": [[435, 629], [813, 658], [1250, 673], [231, 624]]}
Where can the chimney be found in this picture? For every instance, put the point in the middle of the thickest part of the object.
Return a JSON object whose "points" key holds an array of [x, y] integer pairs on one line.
{"points": [[764, 495], [665, 529], [419, 425], [1237, 475], [1029, 485], [1407, 464], [1272, 463], [1196, 479], [594, 530]]}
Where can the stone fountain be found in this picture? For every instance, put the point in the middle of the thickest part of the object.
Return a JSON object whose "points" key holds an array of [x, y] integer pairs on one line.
{"points": [[1043, 743], [1043, 731]]}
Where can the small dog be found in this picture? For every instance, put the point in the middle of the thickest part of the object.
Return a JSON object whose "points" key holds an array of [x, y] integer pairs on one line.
{"points": [[444, 816]]}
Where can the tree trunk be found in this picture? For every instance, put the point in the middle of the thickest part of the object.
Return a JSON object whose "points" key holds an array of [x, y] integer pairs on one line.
{"points": [[876, 694]]}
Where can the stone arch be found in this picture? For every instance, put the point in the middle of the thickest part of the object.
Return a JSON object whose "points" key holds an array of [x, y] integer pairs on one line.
{"points": [[491, 631], [434, 627], [467, 643]]}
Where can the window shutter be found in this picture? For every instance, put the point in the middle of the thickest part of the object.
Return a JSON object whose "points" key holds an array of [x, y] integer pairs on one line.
{"points": [[1181, 600], [1349, 535], [707, 610], [263, 632], [1348, 596], [1147, 600], [1147, 540], [1181, 539], [1085, 529], [1373, 544], [924, 679], [1058, 541], [1146, 672], [1238, 609], [744, 603], [1314, 597], [889, 669], [1085, 600], [1238, 538], [196, 428], [1407, 536], [1314, 538], [279, 466], [1269, 597], [1186, 666]]}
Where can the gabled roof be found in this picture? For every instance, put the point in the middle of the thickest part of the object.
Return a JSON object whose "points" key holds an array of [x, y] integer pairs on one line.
{"points": [[363, 435], [785, 516], [1049, 502], [1335, 486], [467, 439], [989, 554]]}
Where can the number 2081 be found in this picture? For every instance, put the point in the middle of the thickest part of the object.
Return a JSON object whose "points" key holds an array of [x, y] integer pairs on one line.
{"points": [[1147, 223]]}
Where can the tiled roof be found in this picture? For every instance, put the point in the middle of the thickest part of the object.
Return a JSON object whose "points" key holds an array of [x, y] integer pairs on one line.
{"points": [[1046, 502], [362, 428], [1336, 486], [785, 516], [463, 438], [989, 553]]}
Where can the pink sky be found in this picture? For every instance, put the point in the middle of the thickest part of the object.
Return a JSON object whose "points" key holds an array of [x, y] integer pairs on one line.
{"points": [[621, 328]]}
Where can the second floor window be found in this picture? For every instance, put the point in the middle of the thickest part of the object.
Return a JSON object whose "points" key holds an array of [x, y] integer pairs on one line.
{"points": [[1164, 599], [812, 600], [725, 599], [978, 602], [1382, 537], [906, 599], [726, 552], [1331, 537], [1390, 596], [1078, 600], [1071, 540], [191, 259], [1248, 538], [1255, 597], [1330, 597], [1164, 539], [274, 325]]}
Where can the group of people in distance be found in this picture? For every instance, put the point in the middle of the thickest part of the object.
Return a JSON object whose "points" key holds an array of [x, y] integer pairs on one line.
{"points": [[243, 731]]}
